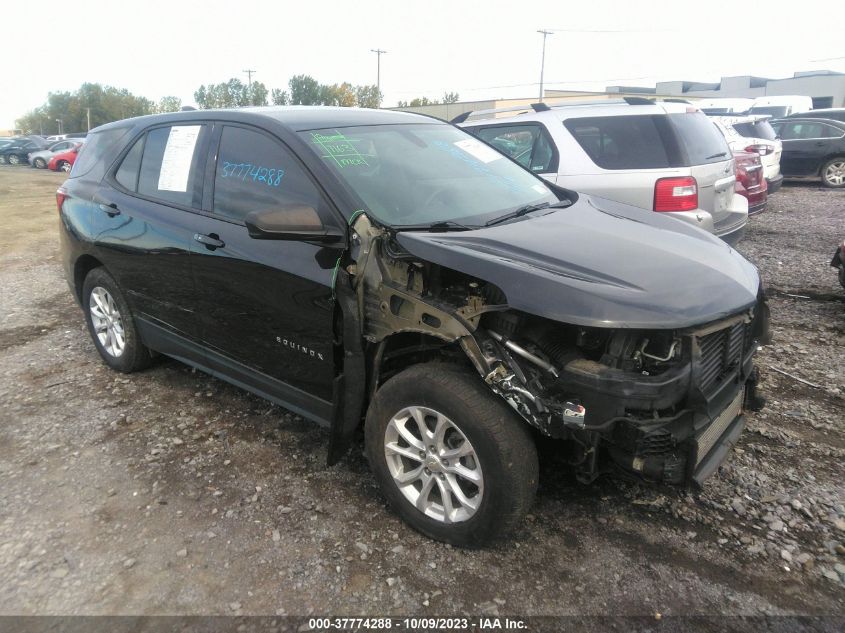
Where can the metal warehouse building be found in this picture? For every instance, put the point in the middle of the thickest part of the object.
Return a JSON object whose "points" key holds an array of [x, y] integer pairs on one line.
{"points": [[826, 87]]}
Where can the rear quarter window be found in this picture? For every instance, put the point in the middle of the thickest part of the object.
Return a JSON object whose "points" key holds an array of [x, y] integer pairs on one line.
{"points": [[97, 146], [622, 142], [701, 141]]}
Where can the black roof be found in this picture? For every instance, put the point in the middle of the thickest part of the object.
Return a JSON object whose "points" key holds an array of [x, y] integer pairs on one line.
{"points": [[294, 118]]}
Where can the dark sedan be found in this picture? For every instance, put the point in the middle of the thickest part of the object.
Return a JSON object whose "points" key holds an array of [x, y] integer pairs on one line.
{"points": [[813, 148], [16, 153]]}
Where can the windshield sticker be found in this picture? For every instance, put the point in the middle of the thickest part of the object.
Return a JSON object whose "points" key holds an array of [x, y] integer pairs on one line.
{"points": [[247, 171], [478, 150], [340, 149], [479, 167], [178, 155]]}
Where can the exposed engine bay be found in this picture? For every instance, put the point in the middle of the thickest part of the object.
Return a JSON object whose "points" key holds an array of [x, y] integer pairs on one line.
{"points": [[658, 404]]}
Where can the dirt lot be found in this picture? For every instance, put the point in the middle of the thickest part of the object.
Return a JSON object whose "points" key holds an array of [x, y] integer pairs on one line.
{"points": [[171, 492]]}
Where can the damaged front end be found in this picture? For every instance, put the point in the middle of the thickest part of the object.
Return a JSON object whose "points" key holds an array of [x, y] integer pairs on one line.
{"points": [[663, 405]]}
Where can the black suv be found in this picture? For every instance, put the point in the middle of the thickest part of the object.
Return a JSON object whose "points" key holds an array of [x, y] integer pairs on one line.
{"points": [[366, 265]]}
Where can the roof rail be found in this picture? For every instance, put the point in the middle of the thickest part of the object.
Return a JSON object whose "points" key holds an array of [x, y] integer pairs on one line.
{"points": [[492, 111], [638, 101]]}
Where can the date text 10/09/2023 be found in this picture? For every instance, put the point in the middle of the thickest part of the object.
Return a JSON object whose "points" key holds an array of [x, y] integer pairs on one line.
{"points": [[417, 624]]}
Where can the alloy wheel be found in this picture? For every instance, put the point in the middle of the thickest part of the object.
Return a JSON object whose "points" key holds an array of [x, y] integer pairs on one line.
{"points": [[14, 159], [834, 174], [433, 464], [65, 166], [108, 324]]}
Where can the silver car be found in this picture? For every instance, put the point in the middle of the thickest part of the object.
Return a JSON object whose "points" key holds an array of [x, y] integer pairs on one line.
{"points": [[662, 156], [40, 158]]}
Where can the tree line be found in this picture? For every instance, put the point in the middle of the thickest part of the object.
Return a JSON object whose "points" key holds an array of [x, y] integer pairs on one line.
{"points": [[70, 111]]}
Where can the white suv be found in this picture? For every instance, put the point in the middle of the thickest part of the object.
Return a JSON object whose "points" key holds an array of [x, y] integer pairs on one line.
{"points": [[754, 134], [662, 156]]}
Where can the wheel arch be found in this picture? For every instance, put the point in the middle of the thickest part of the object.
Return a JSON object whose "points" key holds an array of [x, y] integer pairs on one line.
{"points": [[81, 267], [827, 159]]}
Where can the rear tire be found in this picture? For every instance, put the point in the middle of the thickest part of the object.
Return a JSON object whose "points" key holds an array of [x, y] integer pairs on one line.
{"points": [[14, 159], [3, 159], [63, 166], [39, 163], [111, 323], [469, 484], [833, 173]]}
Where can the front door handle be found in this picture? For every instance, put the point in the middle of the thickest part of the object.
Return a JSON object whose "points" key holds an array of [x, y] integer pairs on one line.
{"points": [[211, 241]]}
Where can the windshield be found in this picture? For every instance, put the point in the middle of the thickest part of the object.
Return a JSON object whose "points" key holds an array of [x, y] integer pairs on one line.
{"points": [[423, 174]]}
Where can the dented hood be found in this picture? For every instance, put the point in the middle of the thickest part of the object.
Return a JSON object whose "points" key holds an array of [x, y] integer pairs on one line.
{"points": [[600, 263]]}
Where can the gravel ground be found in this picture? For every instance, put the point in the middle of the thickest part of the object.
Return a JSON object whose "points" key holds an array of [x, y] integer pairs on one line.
{"points": [[169, 492]]}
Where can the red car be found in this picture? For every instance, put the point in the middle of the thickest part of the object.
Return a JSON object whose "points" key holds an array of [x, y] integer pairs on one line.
{"points": [[750, 181], [63, 161]]}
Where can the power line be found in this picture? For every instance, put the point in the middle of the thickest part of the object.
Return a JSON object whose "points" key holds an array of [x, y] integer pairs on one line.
{"points": [[611, 30]]}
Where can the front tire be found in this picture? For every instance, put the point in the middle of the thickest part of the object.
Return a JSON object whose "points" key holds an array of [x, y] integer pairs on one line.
{"points": [[833, 173], [39, 163], [452, 458], [111, 323]]}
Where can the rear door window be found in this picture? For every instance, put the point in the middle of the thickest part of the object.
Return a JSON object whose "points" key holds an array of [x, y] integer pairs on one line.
{"points": [[700, 139], [255, 171], [127, 173], [803, 130], [169, 166], [528, 144], [622, 142]]}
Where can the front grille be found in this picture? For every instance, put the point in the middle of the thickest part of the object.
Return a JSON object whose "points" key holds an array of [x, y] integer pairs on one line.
{"points": [[720, 354], [717, 428], [656, 443]]}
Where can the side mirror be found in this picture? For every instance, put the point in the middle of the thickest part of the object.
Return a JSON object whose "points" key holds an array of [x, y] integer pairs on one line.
{"points": [[290, 222]]}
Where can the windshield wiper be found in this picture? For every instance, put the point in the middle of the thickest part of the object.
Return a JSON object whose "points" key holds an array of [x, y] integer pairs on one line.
{"points": [[443, 225], [716, 155], [528, 208]]}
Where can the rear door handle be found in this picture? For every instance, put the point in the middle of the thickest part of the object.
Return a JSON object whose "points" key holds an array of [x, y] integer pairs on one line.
{"points": [[106, 206], [211, 241]]}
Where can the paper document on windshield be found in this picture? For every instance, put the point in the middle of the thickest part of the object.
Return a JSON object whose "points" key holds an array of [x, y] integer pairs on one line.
{"points": [[478, 150], [178, 155]]}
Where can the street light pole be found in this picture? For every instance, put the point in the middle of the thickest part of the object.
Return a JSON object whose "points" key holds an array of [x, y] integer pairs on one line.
{"points": [[378, 53], [88, 114], [543, 62]]}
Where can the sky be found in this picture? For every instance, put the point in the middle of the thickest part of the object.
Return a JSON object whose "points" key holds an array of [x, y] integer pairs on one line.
{"points": [[482, 50]]}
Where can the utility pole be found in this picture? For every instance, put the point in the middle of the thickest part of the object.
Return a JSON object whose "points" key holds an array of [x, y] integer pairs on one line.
{"points": [[543, 62], [378, 53], [249, 74], [60, 122], [88, 114]]}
